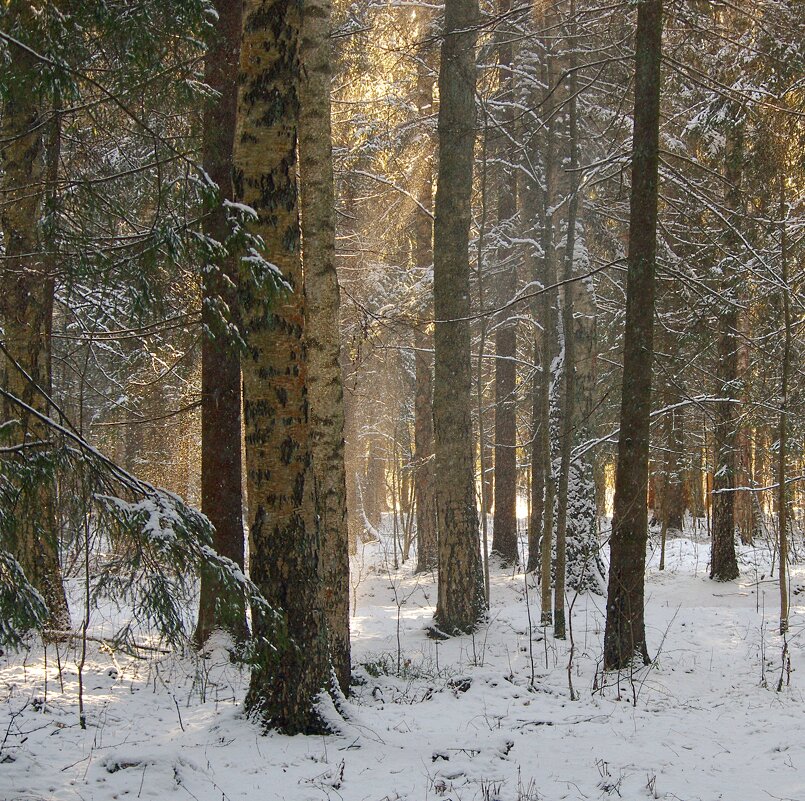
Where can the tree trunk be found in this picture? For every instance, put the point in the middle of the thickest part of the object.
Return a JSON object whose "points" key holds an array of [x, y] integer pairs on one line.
{"points": [[221, 476], [504, 532], [373, 487], [723, 561], [625, 634], [548, 322], [694, 481], [426, 523], [537, 489], [585, 567], [322, 336], [290, 667], [744, 508], [26, 307], [673, 492], [782, 502], [461, 590], [569, 375], [350, 366]]}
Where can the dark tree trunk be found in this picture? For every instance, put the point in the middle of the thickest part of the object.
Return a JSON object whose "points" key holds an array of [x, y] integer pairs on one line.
{"points": [[424, 493], [674, 495], [785, 369], [625, 634], [290, 668], [569, 371], [221, 476], [693, 489], [373, 486], [26, 307], [723, 560], [537, 489], [504, 533], [548, 318], [745, 518], [461, 590]]}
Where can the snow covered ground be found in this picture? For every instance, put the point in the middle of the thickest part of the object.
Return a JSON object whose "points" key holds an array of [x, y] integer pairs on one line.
{"points": [[484, 717]]}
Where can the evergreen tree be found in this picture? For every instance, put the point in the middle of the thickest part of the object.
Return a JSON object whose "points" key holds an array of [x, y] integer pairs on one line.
{"points": [[625, 635], [221, 480], [461, 600]]}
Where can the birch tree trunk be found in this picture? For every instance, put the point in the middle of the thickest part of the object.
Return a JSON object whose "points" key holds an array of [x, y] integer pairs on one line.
{"points": [[291, 668], [325, 390]]}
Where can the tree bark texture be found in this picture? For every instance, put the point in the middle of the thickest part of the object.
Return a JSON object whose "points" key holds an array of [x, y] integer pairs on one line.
{"points": [[504, 532], [461, 592], [537, 486], [785, 369], [625, 635], [221, 473], [424, 491], [290, 667], [426, 522], [26, 303], [322, 335], [745, 518], [548, 319], [723, 560]]}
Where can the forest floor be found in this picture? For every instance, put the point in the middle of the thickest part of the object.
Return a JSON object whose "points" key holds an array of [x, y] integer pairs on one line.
{"points": [[485, 717]]}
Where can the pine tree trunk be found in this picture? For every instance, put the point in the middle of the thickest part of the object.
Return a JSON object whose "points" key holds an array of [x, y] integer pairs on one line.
{"points": [[322, 335], [26, 306], [461, 591], [566, 294], [426, 523], [694, 481], [221, 474], [504, 533], [674, 513], [782, 501], [537, 489], [548, 322], [723, 560], [290, 667], [744, 507], [531, 214], [625, 634], [373, 489], [350, 356]]}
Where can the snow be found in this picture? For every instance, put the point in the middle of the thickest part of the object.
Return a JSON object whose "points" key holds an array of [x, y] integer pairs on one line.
{"points": [[459, 719]]}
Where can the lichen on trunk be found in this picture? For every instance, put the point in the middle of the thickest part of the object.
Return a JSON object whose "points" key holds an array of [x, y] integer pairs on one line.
{"points": [[290, 672]]}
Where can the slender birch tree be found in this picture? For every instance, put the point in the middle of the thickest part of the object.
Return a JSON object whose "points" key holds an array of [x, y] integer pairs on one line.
{"points": [[322, 335]]}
